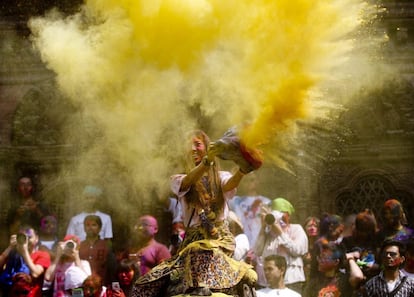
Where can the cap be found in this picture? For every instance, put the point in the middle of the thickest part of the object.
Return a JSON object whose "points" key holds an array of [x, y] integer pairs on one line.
{"points": [[92, 191], [74, 277], [281, 204]]}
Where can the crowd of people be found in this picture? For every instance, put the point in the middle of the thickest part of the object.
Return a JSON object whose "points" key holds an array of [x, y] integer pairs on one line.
{"points": [[220, 244]]}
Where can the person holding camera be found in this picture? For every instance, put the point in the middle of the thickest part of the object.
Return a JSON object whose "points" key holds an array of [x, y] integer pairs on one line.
{"points": [[23, 256], [278, 236], [67, 271]]}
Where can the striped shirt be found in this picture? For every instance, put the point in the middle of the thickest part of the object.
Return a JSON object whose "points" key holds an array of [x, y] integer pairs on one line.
{"points": [[377, 287]]}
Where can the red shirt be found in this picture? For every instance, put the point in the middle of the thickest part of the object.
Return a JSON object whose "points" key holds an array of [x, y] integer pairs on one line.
{"points": [[97, 256]]}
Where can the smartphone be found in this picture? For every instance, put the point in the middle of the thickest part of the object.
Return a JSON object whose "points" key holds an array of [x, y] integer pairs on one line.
{"points": [[77, 292], [116, 286]]}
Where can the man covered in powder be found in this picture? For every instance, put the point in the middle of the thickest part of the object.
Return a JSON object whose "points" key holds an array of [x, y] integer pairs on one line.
{"points": [[394, 222], [149, 252]]}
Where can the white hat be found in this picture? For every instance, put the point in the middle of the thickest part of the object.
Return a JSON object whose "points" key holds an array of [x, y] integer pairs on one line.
{"points": [[74, 277]]}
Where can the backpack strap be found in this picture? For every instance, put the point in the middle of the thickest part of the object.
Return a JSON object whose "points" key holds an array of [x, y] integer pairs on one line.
{"points": [[391, 294]]}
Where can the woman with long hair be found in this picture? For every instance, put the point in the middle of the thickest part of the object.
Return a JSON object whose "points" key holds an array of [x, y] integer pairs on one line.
{"points": [[203, 263]]}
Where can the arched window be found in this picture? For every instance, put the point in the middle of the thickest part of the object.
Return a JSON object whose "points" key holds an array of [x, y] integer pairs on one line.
{"points": [[371, 191]]}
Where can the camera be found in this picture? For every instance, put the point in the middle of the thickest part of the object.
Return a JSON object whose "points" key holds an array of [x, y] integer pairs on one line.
{"points": [[70, 244], [21, 238], [272, 217], [116, 286]]}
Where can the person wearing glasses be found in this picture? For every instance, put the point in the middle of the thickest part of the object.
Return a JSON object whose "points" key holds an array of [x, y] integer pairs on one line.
{"points": [[149, 252], [391, 281]]}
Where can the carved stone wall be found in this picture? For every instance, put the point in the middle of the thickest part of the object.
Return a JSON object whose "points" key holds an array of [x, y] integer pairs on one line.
{"points": [[375, 162]]}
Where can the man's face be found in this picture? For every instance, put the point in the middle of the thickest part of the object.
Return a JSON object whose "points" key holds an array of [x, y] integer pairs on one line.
{"points": [[273, 273], [32, 238], [391, 258], [25, 187], [92, 228], [146, 227], [391, 216], [198, 150], [48, 225]]}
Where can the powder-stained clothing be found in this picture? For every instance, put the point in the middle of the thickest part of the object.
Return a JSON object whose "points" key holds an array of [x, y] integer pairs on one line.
{"points": [[152, 255], [377, 286], [187, 209], [321, 285], [204, 259], [98, 255]]}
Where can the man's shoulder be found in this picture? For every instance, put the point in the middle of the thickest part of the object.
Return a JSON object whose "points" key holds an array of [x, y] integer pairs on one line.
{"points": [[160, 245], [374, 279], [79, 216]]}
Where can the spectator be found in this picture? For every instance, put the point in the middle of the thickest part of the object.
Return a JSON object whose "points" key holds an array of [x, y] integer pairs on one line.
{"points": [[363, 241], [242, 242], [408, 267], [330, 279], [275, 268], [48, 232], [150, 252], [91, 194], [349, 224], [126, 274], [26, 209], [23, 255], [173, 206], [97, 251], [67, 271], [311, 227], [281, 237], [249, 207], [93, 287], [394, 222], [390, 281], [330, 230], [22, 285]]}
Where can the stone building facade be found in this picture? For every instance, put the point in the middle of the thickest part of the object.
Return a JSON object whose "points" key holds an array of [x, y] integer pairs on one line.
{"points": [[373, 163]]}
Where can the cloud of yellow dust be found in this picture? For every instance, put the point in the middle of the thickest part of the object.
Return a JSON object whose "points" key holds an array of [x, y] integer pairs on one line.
{"points": [[148, 71]]}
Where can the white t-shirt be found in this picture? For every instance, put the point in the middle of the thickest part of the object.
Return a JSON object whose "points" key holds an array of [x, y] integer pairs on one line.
{"points": [[242, 246], [174, 207], [268, 292], [76, 227]]}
